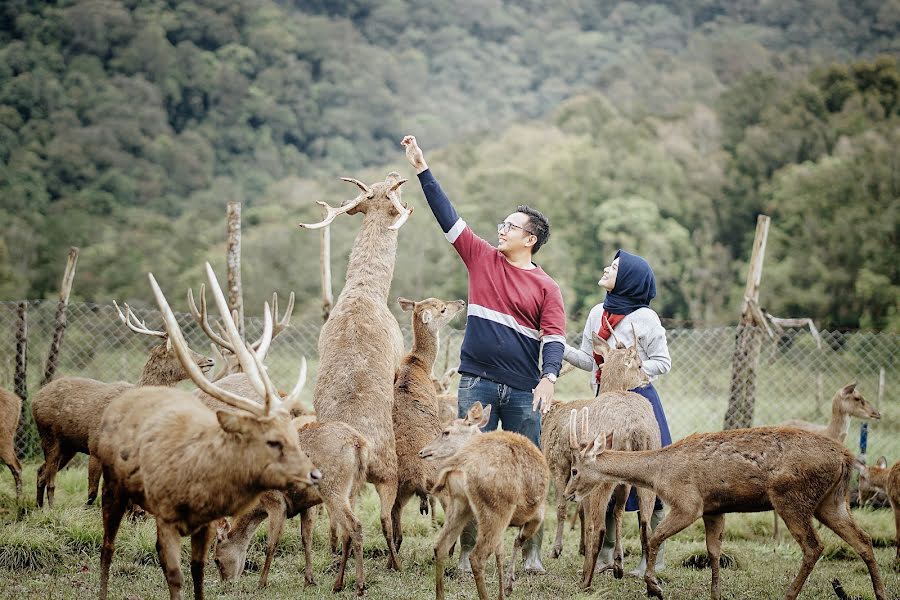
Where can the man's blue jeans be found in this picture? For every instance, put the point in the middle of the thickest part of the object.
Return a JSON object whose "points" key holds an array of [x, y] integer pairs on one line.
{"points": [[509, 406]]}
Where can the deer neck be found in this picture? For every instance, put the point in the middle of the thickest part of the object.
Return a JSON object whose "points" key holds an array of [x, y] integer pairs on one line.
{"points": [[636, 467], [612, 382], [425, 343], [839, 426], [152, 375], [372, 259]]}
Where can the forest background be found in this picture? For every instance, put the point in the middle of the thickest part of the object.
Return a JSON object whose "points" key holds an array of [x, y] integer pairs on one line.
{"points": [[662, 127]]}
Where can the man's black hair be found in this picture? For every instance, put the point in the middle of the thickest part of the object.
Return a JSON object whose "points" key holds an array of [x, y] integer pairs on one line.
{"points": [[537, 225]]}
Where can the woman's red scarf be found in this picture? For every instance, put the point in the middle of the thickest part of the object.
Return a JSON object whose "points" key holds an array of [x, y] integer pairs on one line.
{"points": [[604, 333]]}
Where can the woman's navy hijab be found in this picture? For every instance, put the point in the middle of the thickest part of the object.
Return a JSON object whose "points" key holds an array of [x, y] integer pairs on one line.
{"points": [[635, 285]]}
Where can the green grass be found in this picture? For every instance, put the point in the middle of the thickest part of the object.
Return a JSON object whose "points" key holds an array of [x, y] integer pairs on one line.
{"points": [[54, 553]]}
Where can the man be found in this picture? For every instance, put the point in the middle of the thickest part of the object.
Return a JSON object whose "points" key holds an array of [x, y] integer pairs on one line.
{"points": [[515, 314]]}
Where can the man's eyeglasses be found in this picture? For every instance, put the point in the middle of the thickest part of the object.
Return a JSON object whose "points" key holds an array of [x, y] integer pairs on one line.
{"points": [[505, 226]]}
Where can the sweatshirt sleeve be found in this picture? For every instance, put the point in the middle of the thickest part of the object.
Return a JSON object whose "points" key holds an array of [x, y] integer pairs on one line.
{"points": [[468, 245], [583, 356], [653, 341], [553, 331]]}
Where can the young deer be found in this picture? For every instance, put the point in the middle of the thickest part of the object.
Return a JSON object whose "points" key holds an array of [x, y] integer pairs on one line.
{"points": [[879, 477], [498, 478], [847, 402], [342, 455], [10, 411], [188, 466], [797, 473], [417, 416], [631, 417], [67, 410]]}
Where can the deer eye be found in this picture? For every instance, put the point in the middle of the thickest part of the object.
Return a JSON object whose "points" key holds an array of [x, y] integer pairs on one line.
{"points": [[574, 472], [275, 444], [446, 434]]}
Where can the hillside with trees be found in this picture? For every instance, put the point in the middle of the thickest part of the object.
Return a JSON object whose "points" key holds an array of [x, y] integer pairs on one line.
{"points": [[664, 127]]}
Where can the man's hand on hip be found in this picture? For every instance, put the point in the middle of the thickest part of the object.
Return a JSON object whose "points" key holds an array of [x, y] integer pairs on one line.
{"points": [[543, 396], [414, 154]]}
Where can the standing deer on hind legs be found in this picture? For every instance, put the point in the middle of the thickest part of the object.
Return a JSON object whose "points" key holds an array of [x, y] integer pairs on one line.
{"points": [[189, 466], [360, 345], [799, 474]]}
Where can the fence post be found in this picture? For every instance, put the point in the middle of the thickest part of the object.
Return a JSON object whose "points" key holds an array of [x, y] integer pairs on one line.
{"points": [[742, 400], [60, 323], [233, 262], [325, 260]]}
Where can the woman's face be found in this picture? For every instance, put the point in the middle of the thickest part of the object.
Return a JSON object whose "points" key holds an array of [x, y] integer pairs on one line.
{"points": [[608, 281]]}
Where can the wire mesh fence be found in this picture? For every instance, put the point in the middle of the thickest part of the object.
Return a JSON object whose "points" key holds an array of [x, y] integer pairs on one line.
{"points": [[796, 376]]}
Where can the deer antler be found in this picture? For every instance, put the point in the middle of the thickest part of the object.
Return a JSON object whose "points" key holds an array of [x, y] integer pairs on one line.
{"points": [[181, 349], [573, 435], [404, 211], [360, 185], [201, 318], [332, 212], [613, 333], [278, 327], [138, 326]]}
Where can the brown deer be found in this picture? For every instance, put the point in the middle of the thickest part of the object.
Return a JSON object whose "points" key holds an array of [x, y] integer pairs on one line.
{"points": [[341, 453], [797, 473], [67, 410], [498, 478], [10, 411], [188, 466], [360, 345], [887, 481], [631, 417], [417, 414], [847, 402]]}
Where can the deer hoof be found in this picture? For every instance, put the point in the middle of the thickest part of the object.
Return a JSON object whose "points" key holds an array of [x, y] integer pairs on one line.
{"points": [[653, 590], [618, 571], [557, 551]]}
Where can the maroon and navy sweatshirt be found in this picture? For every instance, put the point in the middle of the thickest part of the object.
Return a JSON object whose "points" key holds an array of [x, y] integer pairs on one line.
{"points": [[512, 312]]}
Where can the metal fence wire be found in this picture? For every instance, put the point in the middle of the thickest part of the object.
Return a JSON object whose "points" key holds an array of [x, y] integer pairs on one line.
{"points": [[796, 377]]}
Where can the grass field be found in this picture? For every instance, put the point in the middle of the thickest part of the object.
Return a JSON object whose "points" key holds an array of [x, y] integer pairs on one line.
{"points": [[54, 554]]}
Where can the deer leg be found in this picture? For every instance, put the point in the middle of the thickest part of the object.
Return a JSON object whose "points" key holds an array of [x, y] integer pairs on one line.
{"points": [[897, 529], [16, 469], [490, 536], [400, 501], [715, 526], [834, 516], [307, 522], [457, 515], [168, 547], [344, 520], [525, 533], [113, 511], [595, 514], [581, 520], [200, 543], [621, 496], [646, 504], [387, 493], [47, 472], [562, 511], [676, 520], [799, 523], [93, 478], [432, 504], [277, 516]]}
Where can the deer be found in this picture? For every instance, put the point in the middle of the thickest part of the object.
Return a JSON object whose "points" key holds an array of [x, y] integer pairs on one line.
{"points": [[498, 478], [631, 417], [189, 466], [847, 402], [887, 481], [67, 410], [417, 413], [10, 411], [341, 453], [360, 345], [799, 474], [447, 401]]}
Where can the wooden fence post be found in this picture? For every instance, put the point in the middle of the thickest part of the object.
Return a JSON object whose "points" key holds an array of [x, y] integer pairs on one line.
{"points": [[748, 342], [59, 328], [233, 262], [325, 265]]}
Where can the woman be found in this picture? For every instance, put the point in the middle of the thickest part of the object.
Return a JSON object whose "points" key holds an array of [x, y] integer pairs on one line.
{"points": [[630, 286]]}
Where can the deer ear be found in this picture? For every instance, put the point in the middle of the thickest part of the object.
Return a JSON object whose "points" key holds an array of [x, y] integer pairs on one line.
{"points": [[597, 446], [848, 389], [601, 346], [609, 440], [231, 422], [426, 316], [406, 305], [475, 413], [881, 462], [485, 417], [222, 529]]}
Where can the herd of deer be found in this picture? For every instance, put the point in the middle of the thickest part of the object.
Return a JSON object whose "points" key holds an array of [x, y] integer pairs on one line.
{"points": [[215, 463]]}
